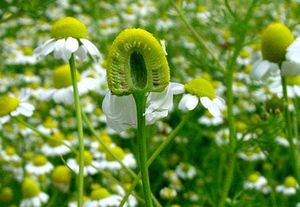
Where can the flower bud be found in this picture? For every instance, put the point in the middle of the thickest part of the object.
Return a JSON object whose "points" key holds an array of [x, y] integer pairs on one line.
{"points": [[136, 62], [30, 188]]}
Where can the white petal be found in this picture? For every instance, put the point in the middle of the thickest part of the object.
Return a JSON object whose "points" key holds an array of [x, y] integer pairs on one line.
{"points": [[39, 49], [293, 51], [120, 111], [81, 53], [188, 102], [177, 88], [290, 68], [91, 48], [58, 51], [261, 70], [211, 106], [72, 44]]}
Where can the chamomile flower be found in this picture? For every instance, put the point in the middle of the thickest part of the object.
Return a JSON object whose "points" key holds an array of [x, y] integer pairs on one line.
{"points": [[186, 171], [39, 165], [275, 41], [252, 154], [201, 88], [10, 155], [167, 193], [56, 146], [11, 105], [111, 164], [63, 91], [90, 164], [100, 197], [69, 36], [32, 195], [61, 178], [255, 181], [289, 187]]}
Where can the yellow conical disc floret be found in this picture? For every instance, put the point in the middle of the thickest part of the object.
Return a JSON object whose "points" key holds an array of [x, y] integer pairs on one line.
{"points": [[88, 158], [57, 139], [39, 160], [61, 174], [6, 195], [200, 87], [136, 62], [62, 76], [117, 151], [30, 188], [99, 193], [290, 182], [275, 40], [254, 177], [8, 104], [68, 27]]}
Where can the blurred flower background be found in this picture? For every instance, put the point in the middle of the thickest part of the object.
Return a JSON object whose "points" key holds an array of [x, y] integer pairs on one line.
{"points": [[38, 168]]}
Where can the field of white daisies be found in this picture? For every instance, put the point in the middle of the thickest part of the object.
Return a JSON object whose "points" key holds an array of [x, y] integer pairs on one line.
{"points": [[175, 103]]}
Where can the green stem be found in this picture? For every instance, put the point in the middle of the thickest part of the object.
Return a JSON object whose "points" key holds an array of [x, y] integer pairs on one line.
{"points": [[289, 132], [106, 148], [79, 131], [140, 100], [154, 156]]}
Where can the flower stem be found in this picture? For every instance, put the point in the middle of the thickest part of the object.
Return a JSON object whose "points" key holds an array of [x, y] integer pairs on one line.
{"points": [[80, 178], [161, 147], [140, 100], [289, 131]]}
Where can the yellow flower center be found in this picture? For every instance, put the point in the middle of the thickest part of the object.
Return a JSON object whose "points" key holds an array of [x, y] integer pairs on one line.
{"points": [[27, 51], [62, 76], [293, 80], [200, 87], [129, 10], [8, 104], [49, 123], [39, 160], [245, 54], [88, 158], [68, 27], [117, 151], [30, 188], [201, 8], [290, 182], [275, 40], [6, 194], [57, 139], [254, 177], [99, 193], [10, 151], [61, 174]]}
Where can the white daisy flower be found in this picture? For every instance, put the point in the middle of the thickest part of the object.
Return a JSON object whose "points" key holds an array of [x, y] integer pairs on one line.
{"points": [[32, 194], [255, 181], [39, 165], [289, 187], [90, 165], [201, 89], [9, 155], [63, 91], [277, 46], [68, 37], [186, 171], [11, 105], [158, 106], [56, 147], [111, 164], [252, 154]]}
